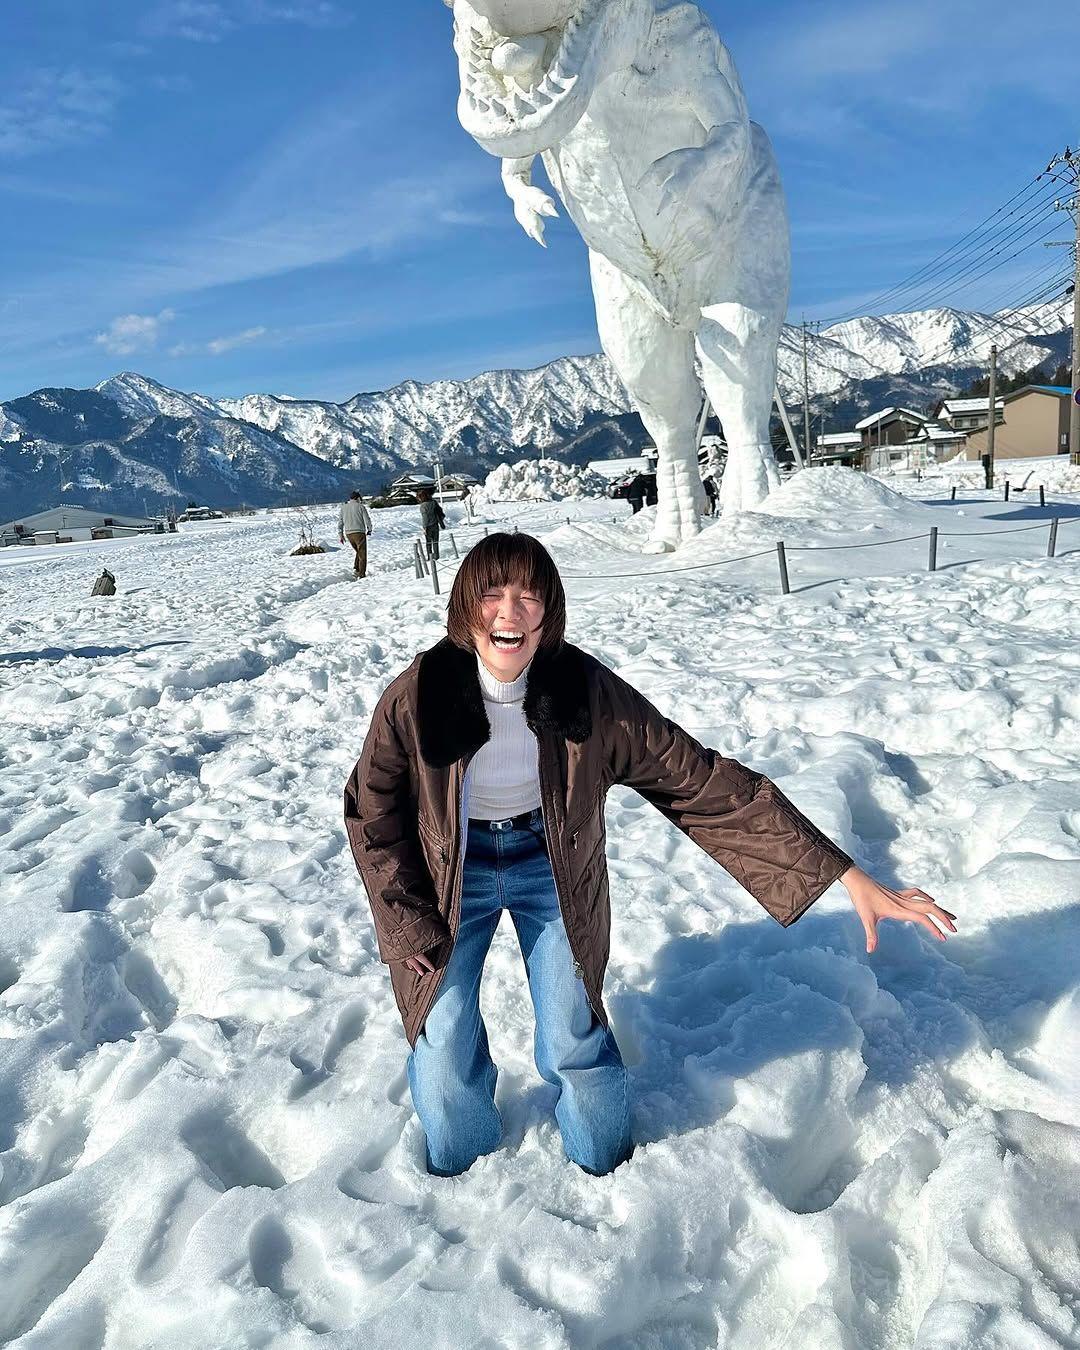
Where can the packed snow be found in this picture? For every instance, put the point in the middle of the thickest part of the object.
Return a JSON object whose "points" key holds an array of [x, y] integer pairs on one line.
{"points": [[206, 1135], [540, 480]]}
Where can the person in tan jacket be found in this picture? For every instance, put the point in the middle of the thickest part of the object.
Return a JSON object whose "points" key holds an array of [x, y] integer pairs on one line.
{"points": [[481, 787]]}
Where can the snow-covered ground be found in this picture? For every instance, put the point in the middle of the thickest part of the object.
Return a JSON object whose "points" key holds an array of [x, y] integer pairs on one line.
{"points": [[206, 1136]]}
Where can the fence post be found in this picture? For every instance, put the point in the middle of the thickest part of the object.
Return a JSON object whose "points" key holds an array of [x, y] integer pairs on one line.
{"points": [[1042, 495], [485, 531], [434, 577], [423, 561], [782, 557], [1052, 545], [1006, 489], [453, 542], [953, 497], [933, 548], [416, 561]]}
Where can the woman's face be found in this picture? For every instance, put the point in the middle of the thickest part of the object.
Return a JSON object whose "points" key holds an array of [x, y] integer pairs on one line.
{"points": [[517, 612]]}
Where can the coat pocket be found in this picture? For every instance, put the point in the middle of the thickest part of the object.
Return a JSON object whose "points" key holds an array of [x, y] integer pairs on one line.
{"points": [[436, 851], [585, 841]]}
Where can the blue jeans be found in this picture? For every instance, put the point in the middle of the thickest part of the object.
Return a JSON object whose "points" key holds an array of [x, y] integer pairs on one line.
{"points": [[451, 1073]]}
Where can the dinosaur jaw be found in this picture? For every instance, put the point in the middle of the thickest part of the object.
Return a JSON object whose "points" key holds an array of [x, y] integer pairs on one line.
{"points": [[504, 114]]}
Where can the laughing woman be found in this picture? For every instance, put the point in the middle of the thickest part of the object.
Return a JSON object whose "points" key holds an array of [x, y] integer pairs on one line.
{"points": [[481, 788]]}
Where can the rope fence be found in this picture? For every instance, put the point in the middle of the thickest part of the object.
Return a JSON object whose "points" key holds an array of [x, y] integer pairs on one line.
{"points": [[427, 565]]}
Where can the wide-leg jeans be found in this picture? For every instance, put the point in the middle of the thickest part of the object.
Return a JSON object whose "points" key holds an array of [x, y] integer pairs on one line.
{"points": [[451, 1074]]}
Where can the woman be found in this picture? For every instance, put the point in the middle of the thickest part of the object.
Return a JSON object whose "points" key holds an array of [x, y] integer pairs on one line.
{"points": [[481, 787]]}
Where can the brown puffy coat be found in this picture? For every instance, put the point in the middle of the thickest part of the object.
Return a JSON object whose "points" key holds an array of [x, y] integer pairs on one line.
{"points": [[403, 808]]}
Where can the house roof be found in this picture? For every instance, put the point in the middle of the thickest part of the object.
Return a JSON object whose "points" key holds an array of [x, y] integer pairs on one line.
{"points": [[1062, 389], [969, 405], [840, 438], [936, 433], [889, 414], [70, 516]]}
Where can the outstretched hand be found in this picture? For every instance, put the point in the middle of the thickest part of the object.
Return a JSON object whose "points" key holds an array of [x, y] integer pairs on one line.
{"points": [[874, 902]]}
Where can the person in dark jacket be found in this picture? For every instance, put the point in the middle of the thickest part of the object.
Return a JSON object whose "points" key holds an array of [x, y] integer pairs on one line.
{"points": [[635, 493], [481, 787], [709, 484], [432, 519]]}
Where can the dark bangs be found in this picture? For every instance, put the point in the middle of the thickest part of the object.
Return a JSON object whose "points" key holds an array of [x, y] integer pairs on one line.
{"points": [[506, 560]]}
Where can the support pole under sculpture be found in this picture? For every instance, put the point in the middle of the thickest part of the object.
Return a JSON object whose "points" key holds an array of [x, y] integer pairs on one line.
{"points": [[685, 220]]}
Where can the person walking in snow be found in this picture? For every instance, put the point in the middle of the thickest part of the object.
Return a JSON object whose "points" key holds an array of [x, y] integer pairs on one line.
{"points": [[635, 493], [432, 519], [481, 787], [354, 524], [709, 484]]}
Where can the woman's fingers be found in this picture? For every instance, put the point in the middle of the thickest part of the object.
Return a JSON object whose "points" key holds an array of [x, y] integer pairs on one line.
{"points": [[869, 922], [913, 891], [927, 905]]}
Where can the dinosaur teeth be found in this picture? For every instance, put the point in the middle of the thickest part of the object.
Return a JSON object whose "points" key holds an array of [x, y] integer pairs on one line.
{"points": [[519, 108]]}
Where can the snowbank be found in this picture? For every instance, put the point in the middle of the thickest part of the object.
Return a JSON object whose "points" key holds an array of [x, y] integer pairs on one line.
{"points": [[830, 490], [546, 480]]}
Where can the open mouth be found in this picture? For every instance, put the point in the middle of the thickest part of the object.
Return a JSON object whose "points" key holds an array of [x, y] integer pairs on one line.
{"points": [[507, 639]]}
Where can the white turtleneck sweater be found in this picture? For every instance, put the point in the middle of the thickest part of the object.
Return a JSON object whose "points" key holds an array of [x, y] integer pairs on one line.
{"points": [[503, 777]]}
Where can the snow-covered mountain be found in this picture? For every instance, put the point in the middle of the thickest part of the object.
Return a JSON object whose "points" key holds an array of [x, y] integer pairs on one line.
{"points": [[131, 438], [131, 443], [503, 410]]}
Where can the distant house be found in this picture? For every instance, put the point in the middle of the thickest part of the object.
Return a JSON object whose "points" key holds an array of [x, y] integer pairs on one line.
{"points": [[965, 414], [404, 490], [1034, 423], [938, 443], [838, 447], [454, 486], [618, 468], [883, 433], [68, 523]]}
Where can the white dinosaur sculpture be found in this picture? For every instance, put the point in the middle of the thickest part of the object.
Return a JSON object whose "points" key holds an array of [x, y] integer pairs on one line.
{"points": [[639, 115]]}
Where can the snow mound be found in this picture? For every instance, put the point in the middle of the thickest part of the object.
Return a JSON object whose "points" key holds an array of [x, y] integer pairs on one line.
{"points": [[541, 480], [829, 489]]}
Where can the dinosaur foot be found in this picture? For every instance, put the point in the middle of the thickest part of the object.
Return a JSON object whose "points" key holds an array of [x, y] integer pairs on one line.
{"points": [[658, 546]]}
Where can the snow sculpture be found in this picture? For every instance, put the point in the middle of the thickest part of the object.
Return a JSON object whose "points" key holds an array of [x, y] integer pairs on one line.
{"points": [[639, 116]]}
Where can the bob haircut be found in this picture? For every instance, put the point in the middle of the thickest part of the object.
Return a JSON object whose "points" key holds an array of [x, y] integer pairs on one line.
{"points": [[500, 560]]}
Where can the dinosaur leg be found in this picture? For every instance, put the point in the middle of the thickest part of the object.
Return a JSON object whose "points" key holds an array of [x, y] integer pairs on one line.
{"points": [[655, 360], [740, 329], [737, 347]]}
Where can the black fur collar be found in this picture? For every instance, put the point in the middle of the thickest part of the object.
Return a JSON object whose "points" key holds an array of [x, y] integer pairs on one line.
{"points": [[450, 705]]}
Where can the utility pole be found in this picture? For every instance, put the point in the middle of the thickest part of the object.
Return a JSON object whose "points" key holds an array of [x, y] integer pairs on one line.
{"points": [[806, 394], [991, 425], [1065, 168]]}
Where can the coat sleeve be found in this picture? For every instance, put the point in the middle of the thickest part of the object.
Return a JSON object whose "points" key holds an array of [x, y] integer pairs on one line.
{"points": [[404, 906], [739, 817], [341, 521]]}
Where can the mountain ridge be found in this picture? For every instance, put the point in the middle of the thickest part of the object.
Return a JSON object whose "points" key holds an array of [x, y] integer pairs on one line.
{"points": [[131, 438]]}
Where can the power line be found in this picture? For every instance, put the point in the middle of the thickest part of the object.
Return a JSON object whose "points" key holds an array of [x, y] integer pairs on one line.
{"points": [[943, 258]]}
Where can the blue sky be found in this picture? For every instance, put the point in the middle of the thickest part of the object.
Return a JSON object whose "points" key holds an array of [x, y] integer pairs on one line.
{"points": [[275, 195]]}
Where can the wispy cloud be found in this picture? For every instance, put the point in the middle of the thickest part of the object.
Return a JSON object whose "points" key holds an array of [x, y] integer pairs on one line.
{"points": [[214, 20], [220, 345], [53, 107], [131, 333], [850, 72]]}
